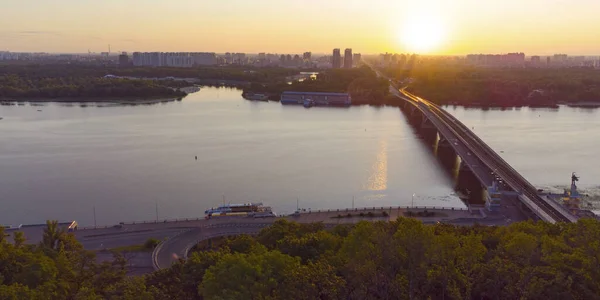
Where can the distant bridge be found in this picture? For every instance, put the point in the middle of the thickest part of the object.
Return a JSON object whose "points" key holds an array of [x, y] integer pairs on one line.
{"points": [[479, 158]]}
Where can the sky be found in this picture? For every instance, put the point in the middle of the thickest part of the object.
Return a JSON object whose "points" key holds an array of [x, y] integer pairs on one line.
{"points": [[536, 27]]}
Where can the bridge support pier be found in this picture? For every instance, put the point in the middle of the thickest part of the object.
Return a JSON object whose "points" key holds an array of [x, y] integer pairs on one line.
{"points": [[444, 143], [468, 184]]}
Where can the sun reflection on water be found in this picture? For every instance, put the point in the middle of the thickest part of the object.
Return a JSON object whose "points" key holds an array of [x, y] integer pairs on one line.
{"points": [[377, 180]]}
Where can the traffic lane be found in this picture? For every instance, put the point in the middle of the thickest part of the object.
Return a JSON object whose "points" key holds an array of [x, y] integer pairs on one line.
{"points": [[168, 253], [125, 239]]}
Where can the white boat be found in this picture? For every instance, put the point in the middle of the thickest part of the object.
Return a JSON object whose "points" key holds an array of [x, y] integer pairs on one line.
{"points": [[257, 210]]}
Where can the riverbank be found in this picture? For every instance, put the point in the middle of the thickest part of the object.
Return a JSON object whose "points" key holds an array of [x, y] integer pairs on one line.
{"points": [[123, 101]]}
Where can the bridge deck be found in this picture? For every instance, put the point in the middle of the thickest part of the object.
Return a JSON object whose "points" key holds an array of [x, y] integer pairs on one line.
{"points": [[467, 145]]}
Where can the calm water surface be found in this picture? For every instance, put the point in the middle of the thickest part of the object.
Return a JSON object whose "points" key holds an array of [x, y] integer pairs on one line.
{"points": [[60, 162]]}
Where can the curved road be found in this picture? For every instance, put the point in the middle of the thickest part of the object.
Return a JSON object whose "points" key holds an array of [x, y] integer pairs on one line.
{"points": [[171, 250]]}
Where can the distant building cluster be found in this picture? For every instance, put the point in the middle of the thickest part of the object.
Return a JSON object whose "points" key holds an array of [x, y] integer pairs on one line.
{"points": [[510, 59], [396, 59], [174, 59]]}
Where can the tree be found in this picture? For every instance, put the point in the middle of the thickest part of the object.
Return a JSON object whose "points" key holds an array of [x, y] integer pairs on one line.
{"points": [[18, 238], [52, 234], [248, 276]]}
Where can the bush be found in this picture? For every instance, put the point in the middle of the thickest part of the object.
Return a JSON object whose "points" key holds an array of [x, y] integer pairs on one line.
{"points": [[370, 214], [385, 214], [151, 243], [349, 216], [362, 214]]}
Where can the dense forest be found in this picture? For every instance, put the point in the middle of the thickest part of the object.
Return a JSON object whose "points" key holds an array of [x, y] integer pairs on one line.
{"points": [[501, 87], [237, 73], [403, 259], [15, 87], [362, 83], [82, 82]]}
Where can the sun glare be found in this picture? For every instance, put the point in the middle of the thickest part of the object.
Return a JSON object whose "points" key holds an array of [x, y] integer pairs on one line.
{"points": [[422, 34]]}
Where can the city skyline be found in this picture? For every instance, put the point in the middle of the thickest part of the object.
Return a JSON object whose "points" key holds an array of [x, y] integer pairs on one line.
{"points": [[428, 27]]}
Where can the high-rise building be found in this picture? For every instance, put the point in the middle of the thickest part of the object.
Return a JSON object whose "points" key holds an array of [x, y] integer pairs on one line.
{"points": [[356, 58], [336, 60], [203, 58], [536, 60], [348, 58], [123, 59]]}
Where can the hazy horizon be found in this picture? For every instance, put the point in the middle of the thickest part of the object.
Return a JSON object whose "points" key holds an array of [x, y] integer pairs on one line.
{"points": [[538, 27]]}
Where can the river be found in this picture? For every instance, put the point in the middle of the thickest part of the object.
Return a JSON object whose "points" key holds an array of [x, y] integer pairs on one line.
{"points": [[62, 161]]}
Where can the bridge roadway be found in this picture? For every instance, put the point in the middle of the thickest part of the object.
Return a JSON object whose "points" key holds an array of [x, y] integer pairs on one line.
{"points": [[474, 151]]}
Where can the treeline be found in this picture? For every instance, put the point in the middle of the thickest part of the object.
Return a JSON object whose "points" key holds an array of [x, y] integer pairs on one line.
{"points": [[236, 73], [502, 87], [18, 87], [362, 83], [59, 268], [403, 259]]}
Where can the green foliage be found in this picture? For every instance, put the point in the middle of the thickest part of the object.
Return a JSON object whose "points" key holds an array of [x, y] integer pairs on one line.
{"points": [[402, 259], [151, 243], [57, 268], [499, 87], [21, 87]]}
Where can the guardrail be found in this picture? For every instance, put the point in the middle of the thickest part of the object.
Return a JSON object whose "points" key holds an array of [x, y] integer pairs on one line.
{"points": [[302, 212], [143, 222], [382, 208]]}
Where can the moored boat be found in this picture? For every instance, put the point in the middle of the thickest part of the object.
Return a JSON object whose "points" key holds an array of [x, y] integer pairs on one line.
{"points": [[257, 210]]}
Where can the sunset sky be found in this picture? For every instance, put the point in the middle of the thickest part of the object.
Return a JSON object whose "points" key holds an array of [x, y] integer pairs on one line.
{"points": [[286, 26]]}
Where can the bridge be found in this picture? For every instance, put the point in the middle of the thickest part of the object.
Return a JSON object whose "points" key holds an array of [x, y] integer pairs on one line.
{"points": [[485, 164]]}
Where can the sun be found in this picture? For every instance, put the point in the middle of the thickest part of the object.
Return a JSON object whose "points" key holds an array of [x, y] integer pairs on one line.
{"points": [[422, 33]]}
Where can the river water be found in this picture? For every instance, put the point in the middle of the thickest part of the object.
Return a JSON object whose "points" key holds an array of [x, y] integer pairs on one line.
{"points": [[61, 161]]}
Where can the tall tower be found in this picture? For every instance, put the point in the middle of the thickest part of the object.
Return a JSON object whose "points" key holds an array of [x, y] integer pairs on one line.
{"points": [[336, 61], [348, 58]]}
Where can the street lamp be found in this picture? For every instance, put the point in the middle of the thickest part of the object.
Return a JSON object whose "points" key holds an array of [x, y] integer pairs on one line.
{"points": [[413, 201]]}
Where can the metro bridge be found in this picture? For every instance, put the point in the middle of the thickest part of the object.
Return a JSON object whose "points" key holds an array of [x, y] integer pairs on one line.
{"points": [[476, 156]]}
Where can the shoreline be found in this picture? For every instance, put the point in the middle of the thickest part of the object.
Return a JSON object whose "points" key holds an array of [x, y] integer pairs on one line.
{"points": [[133, 101]]}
